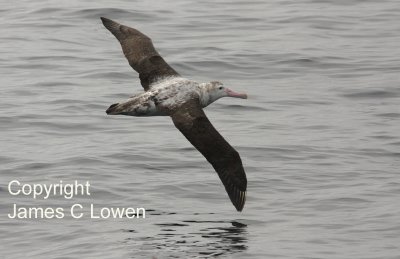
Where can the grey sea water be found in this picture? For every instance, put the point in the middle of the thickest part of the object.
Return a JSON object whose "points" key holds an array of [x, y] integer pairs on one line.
{"points": [[319, 135]]}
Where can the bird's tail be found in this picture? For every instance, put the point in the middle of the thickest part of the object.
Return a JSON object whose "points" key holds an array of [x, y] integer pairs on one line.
{"points": [[114, 109]]}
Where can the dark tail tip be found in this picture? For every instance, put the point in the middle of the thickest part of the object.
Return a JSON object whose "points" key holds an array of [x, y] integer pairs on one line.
{"points": [[111, 109]]}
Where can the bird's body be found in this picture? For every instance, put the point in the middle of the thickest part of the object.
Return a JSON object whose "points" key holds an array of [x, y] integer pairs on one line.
{"points": [[169, 94], [164, 97], [161, 99]]}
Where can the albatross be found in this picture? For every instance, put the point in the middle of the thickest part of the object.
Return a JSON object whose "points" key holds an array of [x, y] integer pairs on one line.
{"points": [[167, 93]]}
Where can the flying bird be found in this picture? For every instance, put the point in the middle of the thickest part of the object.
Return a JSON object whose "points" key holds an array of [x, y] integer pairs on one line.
{"points": [[167, 93]]}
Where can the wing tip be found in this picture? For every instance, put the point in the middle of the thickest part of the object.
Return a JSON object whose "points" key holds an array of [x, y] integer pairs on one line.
{"points": [[238, 199], [105, 20], [111, 25], [236, 193], [241, 201]]}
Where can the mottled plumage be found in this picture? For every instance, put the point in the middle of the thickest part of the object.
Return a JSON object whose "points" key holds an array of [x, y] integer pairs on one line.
{"points": [[169, 94]]}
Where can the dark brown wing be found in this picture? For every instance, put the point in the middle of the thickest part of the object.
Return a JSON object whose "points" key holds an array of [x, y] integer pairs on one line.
{"points": [[140, 52], [193, 123]]}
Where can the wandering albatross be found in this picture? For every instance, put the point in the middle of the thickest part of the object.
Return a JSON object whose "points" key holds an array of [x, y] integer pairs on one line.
{"points": [[169, 94]]}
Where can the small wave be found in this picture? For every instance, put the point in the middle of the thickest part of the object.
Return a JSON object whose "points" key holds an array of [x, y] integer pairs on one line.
{"points": [[110, 12], [371, 94], [241, 107], [46, 11], [389, 115]]}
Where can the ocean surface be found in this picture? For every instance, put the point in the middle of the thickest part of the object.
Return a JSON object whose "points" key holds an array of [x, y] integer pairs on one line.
{"points": [[319, 135]]}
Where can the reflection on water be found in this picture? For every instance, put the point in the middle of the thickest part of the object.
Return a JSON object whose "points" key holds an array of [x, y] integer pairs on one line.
{"points": [[191, 237]]}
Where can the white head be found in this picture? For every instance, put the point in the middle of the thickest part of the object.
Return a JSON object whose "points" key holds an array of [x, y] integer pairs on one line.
{"points": [[214, 90]]}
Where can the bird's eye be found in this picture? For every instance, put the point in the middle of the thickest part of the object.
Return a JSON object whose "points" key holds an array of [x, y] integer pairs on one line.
{"points": [[221, 87]]}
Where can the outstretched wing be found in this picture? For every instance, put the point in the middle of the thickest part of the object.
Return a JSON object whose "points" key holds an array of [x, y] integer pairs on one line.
{"points": [[140, 52], [191, 120]]}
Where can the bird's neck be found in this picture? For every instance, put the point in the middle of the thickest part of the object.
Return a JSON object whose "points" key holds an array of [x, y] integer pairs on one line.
{"points": [[205, 97]]}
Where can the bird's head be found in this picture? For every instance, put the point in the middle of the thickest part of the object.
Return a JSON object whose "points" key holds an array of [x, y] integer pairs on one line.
{"points": [[216, 90]]}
